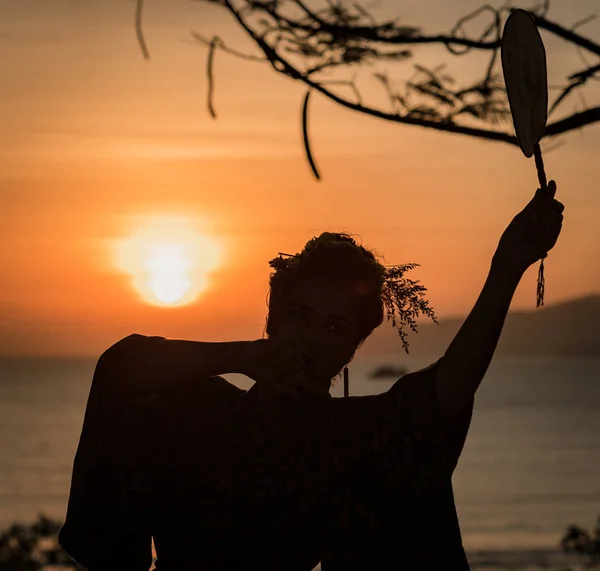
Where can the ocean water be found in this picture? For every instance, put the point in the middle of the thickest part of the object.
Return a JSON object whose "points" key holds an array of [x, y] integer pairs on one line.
{"points": [[530, 466]]}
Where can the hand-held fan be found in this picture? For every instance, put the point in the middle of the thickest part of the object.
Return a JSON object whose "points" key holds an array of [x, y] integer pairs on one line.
{"points": [[525, 75]]}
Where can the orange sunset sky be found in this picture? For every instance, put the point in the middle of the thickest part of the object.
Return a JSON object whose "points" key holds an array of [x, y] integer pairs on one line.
{"points": [[96, 144]]}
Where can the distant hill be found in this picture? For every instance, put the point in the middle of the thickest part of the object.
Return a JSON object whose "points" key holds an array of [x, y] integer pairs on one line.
{"points": [[566, 329]]}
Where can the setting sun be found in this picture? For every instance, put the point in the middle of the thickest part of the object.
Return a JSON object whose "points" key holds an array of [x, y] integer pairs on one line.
{"points": [[168, 260]]}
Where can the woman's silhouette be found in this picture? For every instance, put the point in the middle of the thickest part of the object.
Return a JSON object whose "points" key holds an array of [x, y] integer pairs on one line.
{"points": [[282, 476]]}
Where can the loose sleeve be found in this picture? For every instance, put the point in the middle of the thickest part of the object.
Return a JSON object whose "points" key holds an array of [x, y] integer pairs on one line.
{"points": [[106, 527], [393, 480], [423, 422], [398, 447], [141, 419]]}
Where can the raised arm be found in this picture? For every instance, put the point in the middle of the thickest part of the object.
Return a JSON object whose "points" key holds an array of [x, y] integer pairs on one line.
{"points": [[154, 356], [153, 364], [532, 233]]}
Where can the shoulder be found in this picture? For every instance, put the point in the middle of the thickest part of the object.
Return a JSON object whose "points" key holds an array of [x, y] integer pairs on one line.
{"points": [[140, 361], [419, 381], [132, 344], [126, 354]]}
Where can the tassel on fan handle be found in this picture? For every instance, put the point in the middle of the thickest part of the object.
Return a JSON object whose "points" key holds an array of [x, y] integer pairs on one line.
{"points": [[539, 163]]}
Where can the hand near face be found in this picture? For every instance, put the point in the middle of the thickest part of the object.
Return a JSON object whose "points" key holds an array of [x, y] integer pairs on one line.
{"points": [[277, 364]]}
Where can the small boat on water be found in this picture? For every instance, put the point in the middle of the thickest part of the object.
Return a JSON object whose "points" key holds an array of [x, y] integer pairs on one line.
{"points": [[386, 371]]}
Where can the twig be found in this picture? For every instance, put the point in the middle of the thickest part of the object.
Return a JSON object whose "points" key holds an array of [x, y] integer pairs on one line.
{"points": [[209, 73], [568, 35], [222, 46], [309, 156], [139, 31]]}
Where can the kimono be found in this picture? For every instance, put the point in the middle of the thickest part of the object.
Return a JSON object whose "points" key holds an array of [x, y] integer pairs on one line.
{"points": [[223, 482]]}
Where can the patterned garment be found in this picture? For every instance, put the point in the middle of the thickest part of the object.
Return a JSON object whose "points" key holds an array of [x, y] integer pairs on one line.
{"points": [[222, 481]]}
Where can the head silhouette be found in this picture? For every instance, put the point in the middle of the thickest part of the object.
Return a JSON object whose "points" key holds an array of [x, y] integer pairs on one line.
{"points": [[327, 300]]}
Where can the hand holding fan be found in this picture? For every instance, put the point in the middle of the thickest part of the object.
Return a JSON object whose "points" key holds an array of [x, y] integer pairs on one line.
{"points": [[525, 75]]}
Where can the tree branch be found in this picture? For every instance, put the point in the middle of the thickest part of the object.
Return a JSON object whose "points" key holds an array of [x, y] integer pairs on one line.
{"points": [[307, 45], [568, 35], [572, 122]]}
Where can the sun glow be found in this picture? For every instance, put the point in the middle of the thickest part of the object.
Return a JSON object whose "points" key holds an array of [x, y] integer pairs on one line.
{"points": [[168, 260]]}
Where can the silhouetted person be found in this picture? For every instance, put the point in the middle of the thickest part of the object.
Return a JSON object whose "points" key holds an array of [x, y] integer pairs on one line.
{"points": [[282, 476]]}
